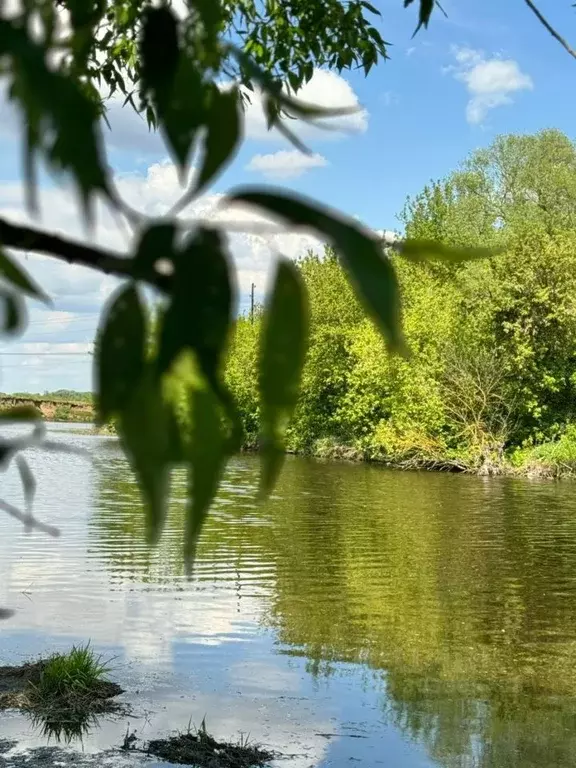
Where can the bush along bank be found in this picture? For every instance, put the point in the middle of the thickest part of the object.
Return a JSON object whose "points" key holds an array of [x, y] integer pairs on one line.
{"points": [[490, 384]]}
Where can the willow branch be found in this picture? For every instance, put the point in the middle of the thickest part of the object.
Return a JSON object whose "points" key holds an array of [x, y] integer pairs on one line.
{"points": [[28, 239], [27, 519], [550, 28]]}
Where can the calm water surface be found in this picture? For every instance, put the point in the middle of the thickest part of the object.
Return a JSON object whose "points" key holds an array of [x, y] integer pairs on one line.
{"points": [[364, 617]]}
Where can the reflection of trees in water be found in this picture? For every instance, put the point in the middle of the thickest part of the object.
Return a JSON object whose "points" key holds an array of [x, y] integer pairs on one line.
{"points": [[117, 527], [461, 591]]}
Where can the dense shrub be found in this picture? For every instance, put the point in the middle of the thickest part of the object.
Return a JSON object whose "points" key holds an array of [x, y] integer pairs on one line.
{"points": [[493, 343]]}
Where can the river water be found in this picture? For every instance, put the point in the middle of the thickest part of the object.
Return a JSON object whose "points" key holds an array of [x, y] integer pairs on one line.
{"points": [[363, 617]]}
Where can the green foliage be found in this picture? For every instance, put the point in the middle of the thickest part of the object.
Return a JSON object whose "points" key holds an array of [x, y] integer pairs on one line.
{"points": [[551, 459], [492, 340], [62, 413], [66, 675], [121, 352]]}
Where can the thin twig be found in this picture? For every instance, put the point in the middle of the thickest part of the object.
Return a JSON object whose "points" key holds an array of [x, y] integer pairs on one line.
{"points": [[28, 239], [28, 520], [550, 28]]}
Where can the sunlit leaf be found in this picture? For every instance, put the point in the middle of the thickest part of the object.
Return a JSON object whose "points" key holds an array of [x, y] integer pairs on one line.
{"points": [[370, 270], [143, 430], [12, 273], [200, 312], [207, 458], [282, 354], [120, 352]]}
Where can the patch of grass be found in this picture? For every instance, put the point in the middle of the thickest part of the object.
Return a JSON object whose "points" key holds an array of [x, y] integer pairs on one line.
{"points": [[79, 672], [553, 459], [200, 749], [63, 693]]}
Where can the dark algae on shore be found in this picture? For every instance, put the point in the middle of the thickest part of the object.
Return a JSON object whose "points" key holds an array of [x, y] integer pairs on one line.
{"points": [[204, 751]]}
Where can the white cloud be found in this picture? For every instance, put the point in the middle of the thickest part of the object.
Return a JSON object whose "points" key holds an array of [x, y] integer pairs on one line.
{"points": [[129, 131], [389, 236], [325, 89], [79, 293], [285, 164], [490, 82]]}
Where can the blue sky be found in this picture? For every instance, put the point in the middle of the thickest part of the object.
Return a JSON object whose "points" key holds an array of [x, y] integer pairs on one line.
{"points": [[488, 68]]}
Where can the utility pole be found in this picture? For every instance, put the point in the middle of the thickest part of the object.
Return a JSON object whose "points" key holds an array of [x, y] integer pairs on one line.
{"points": [[252, 302]]}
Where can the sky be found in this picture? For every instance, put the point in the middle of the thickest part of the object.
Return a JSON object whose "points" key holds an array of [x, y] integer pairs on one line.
{"points": [[487, 68]]}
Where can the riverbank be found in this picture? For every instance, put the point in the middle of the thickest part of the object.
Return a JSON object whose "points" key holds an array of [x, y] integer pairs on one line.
{"points": [[65, 694], [55, 409], [551, 460]]}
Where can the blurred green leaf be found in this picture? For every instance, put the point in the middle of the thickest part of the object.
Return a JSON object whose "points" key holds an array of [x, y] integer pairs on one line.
{"points": [[200, 312], [282, 353], [224, 126], [370, 270], [207, 459], [61, 119], [172, 81], [159, 52], [432, 250], [12, 273], [426, 8], [273, 119], [185, 113], [156, 242], [143, 426], [14, 313], [210, 13], [120, 352], [370, 7], [291, 105]]}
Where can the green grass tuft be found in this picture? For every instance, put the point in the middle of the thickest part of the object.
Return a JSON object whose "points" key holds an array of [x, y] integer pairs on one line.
{"points": [[77, 673]]}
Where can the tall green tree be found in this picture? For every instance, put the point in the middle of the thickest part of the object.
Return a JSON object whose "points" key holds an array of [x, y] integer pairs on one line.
{"points": [[518, 195]]}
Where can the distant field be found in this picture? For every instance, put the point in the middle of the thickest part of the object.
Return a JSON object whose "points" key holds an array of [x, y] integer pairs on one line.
{"points": [[60, 395], [61, 405]]}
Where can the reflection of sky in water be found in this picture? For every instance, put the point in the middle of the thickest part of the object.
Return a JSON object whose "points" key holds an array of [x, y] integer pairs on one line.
{"points": [[405, 619], [182, 651]]}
